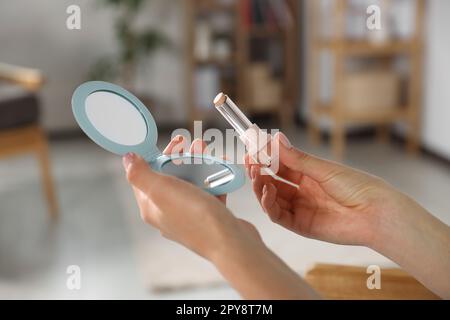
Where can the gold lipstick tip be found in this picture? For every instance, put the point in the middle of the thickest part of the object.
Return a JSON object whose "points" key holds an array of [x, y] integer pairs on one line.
{"points": [[220, 99]]}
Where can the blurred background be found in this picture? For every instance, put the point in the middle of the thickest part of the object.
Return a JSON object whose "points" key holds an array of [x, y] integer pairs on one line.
{"points": [[378, 100]]}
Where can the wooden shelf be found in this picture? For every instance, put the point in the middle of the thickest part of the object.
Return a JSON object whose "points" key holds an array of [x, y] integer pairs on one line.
{"points": [[240, 37], [342, 49], [262, 31], [216, 62], [366, 48], [375, 117], [212, 6]]}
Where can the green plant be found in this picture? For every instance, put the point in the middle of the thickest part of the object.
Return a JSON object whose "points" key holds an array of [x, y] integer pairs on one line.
{"points": [[134, 44]]}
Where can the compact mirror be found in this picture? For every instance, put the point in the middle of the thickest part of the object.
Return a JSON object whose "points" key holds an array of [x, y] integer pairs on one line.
{"points": [[199, 173], [115, 118], [120, 123]]}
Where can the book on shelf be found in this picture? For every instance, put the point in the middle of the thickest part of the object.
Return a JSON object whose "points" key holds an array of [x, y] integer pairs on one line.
{"points": [[266, 13]]}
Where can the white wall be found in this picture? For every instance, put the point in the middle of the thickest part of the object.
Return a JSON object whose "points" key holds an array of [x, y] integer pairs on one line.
{"points": [[436, 112], [33, 33], [436, 82]]}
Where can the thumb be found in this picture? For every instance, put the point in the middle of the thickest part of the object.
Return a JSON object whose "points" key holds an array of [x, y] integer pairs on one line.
{"points": [[142, 177], [316, 168]]}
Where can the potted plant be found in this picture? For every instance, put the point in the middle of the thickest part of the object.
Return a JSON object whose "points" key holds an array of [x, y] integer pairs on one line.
{"points": [[134, 44]]}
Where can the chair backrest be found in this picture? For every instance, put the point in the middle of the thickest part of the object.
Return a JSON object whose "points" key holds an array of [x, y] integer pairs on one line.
{"points": [[31, 79], [348, 282]]}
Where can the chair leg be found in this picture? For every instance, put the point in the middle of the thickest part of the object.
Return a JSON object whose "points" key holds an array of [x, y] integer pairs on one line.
{"points": [[412, 143], [338, 140], [383, 134], [313, 133], [44, 161]]}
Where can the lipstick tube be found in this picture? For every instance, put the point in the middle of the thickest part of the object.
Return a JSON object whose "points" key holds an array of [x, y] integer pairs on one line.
{"points": [[255, 139]]}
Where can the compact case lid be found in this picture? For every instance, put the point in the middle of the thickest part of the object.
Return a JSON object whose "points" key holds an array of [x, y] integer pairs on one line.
{"points": [[147, 148], [123, 130]]}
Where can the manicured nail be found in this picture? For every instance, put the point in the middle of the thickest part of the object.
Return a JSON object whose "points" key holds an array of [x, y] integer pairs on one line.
{"points": [[283, 139], [178, 138], [128, 159], [264, 189], [198, 145]]}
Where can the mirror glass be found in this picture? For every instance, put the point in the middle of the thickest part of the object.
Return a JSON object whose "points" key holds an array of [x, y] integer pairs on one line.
{"points": [[116, 118], [203, 174]]}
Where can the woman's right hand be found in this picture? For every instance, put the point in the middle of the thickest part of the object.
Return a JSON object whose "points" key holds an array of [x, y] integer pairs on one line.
{"points": [[338, 204], [333, 203]]}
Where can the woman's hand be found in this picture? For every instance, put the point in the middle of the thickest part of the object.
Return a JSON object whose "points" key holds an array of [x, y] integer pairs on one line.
{"points": [[338, 204], [202, 223], [333, 203], [181, 211], [178, 146]]}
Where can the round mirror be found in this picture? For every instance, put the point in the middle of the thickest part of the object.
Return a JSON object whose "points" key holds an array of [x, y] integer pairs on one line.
{"points": [[203, 174], [116, 118]]}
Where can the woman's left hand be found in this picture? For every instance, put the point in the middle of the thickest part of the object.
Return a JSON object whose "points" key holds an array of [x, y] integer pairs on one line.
{"points": [[178, 145], [183, 212], [202, 223]]}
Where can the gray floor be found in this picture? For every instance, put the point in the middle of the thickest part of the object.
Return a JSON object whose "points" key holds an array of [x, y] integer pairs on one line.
{"points": [[92, 231]]}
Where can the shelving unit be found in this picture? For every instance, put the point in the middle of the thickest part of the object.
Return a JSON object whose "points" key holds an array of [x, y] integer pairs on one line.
{"points": [[343, 49], [234, 71]]}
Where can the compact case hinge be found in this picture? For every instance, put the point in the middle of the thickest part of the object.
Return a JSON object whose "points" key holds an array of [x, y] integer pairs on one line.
{"points": [[152, 154]]}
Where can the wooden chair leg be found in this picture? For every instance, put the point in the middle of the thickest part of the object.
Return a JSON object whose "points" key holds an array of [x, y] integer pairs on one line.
{"points": [[286, 117], [338, 140], [47, 181], [383, 133], [413, 144], [313, 132]]}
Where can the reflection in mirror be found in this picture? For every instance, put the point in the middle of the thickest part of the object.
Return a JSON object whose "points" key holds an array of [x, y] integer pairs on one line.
{"points": [[116, 118], [203, 175]]}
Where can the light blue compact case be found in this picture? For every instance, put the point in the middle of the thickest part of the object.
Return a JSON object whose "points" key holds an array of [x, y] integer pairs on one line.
{"points": [[119, 122]]}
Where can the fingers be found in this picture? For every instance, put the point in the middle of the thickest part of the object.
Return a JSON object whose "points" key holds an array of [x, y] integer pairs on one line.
{"points": [[271, 196], [139, 173], [258, 181], [175, 146], [223, 197], [268, 198], [270, 203], [198, 146], [147, 208], [142, 177], [247, 165], [316, 168]]}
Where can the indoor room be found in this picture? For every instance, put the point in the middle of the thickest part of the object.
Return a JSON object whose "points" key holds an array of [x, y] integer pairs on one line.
{"points": [[359, 85]]}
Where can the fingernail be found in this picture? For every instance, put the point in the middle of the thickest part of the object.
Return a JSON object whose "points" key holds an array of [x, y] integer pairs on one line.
{"points": [[264, 189], [252, 172], [283, 139], [197, 143], [177, 139], [128, 159]]}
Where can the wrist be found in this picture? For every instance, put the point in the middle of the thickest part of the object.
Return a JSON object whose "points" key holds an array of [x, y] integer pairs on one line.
{"points": [[233, 240], [393, 222], [255, 271], [417, 241]]}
